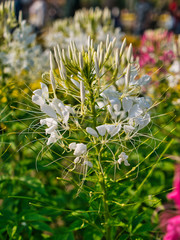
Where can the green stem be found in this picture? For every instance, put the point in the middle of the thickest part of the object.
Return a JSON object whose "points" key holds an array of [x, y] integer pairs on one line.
{"points": [[101, 173], [93, 110], [104, 191], [106, 211]]}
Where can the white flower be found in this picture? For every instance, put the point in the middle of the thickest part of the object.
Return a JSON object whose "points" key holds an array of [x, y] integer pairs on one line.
{"points": [[48, 110], [41, 95], [127, 104], [142, 121], [72, 146], [61, 109], [113, 129], [50, 122], [91, 131], [101, 130], [79, 148], [123, 158], [53, 137], [128, 129], [88, 163], [135, 111]]}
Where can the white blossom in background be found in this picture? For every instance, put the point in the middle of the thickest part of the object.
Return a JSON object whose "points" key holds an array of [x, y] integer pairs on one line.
{"points": [[95, 23], [19, 51]]}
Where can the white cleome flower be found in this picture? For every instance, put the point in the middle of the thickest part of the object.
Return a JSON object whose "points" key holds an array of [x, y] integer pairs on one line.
{"points": [[41, 95], [79, 148], [53, 137], [123, 158]]}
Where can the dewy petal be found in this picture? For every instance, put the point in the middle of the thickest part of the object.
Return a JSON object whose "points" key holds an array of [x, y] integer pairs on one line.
{"points": [[80, 149], [101, 130], [127, 104], [135, 111], [48, 110], [72, 146], [91, 131], [38, 100], [45, 91]]}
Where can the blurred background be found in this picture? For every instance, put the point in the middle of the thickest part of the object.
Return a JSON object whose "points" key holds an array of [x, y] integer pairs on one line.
{"points": [[133, 16]]}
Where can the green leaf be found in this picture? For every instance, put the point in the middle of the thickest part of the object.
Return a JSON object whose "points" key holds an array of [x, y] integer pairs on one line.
{"points": [[34, 217], [41, 226], [78, 224]]}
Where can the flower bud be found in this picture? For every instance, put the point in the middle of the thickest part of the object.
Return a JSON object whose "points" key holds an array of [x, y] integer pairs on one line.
{"points": [[123, 46], [129, 53], [53, 83], [80, 61], [107, 41], [96, 64], [127, 75], [52, 62]]}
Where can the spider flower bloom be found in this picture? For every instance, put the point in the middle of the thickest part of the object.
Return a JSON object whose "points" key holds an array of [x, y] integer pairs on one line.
{"points": [[173, 229], [175, 194]]}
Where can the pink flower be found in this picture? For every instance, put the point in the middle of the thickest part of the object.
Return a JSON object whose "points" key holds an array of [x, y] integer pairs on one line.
{"points": [[175, 194], [173, 229]]}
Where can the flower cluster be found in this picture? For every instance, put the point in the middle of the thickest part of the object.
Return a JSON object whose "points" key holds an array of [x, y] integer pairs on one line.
{"points": [[18, 49], [171, 222], [154, 48], [95, 23], [103, 112]]}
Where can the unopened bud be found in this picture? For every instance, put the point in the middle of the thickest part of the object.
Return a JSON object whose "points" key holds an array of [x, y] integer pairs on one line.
{"points": [[107, 42], [52, 62], [20, 17], [96, 64], [127, 75], [129, 53], [59, 51], [80, 61], [89, 42], [123, 46], [113, 42], [53, 83], [117, 57]]}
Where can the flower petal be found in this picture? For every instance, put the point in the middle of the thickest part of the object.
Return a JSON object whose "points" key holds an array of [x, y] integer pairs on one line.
{"points": [[91, 131], [48, 110]]}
